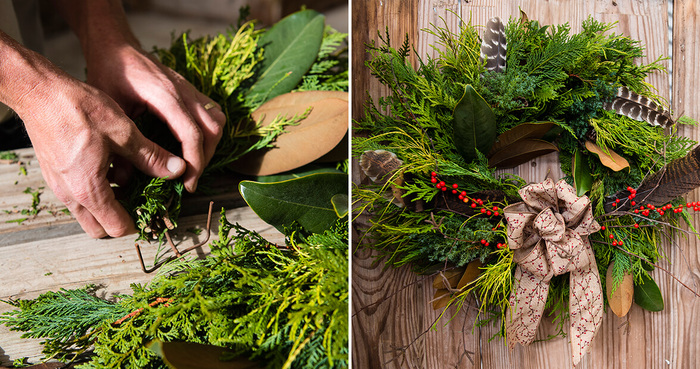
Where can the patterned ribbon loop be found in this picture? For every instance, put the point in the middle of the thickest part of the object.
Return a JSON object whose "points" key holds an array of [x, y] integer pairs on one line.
{"points": [[548, 232]]}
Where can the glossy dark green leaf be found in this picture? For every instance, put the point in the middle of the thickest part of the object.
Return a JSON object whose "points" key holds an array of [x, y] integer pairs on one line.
{"points": [[304, 171], [291, 47], [474, 125], [306, 200], [340, 204], [583, 181], [186, 355], [648, 295]]}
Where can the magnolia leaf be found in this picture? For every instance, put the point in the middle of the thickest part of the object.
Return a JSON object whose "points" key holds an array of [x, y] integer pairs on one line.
{"points": [[619, 300], [520, 152], [648, 295], [452, 276], [340, 204], [304, 171], [441, 298], [290, 48], [306, 200], [186, 355], [316, 135], [473, 124], [470, 274], [608, 157], [521, 132], [583, 181]]}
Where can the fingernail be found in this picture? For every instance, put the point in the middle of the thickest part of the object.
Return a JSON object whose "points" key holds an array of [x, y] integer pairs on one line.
{"points": [[175, 165]]}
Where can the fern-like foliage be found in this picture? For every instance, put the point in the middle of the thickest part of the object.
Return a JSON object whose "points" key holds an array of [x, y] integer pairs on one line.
{"points": [[287, 308]]}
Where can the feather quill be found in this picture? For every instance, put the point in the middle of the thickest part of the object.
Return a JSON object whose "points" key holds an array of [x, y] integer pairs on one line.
{"points": [[674, 179], [638, 107], [494, 46]]}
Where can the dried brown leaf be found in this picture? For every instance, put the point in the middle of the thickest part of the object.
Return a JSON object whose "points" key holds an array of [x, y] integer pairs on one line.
{"points": [[323, 129], [520, 152], [520, 132], [441, 298], [452, 276], [620, 301], [470, 274], [608, 157]]}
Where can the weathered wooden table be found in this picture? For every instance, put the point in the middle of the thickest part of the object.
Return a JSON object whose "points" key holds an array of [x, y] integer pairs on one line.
{"points": [[391, 313], [50, 251]]}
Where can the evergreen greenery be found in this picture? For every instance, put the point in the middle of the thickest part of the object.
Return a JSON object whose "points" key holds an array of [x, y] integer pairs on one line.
{"points": [[552, 75], [284, 307]]}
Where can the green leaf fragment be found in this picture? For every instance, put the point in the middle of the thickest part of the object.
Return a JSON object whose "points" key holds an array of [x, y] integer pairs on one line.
{"points": [[648, 295], [306, 200], [583, 181], [340, 205], [474, 125], [291, 47]]}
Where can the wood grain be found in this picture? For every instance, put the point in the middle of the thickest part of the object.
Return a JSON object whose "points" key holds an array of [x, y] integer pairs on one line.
{"points": [[49, 252], [390, 306]]}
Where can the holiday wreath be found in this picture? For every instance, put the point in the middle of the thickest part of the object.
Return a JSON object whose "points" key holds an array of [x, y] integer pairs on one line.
{"points": [[433, 147]]}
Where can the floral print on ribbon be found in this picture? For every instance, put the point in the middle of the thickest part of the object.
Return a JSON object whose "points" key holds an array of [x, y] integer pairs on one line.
{"points": [[548, 233]]}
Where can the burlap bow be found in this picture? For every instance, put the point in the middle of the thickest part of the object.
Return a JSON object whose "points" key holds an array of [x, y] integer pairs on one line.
{"points": [[548, 232]]}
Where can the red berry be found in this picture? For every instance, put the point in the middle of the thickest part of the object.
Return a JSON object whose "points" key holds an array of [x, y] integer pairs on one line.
{"points": [[438, 185], [488, 213], [443, 188], [454, 185], [645, 213], [636, 225], [486, 244], [454, 192], [473, 204], [619, 242], [614, 243], [480, 201], [617, 201], [661, 212], [499, 245], [483, 210], [495, 214], [688, 205], [612, 236], [434, 180], [652, 207], [602, 228], [633, 203], [433, 174], [461, 197], [614, 204], [629, 188], [495, 208], [483, 241], [442, 183], [466, 200], [464, 193], [636, 211]]}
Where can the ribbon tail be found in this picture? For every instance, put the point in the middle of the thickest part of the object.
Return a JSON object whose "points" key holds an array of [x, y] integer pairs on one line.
{"points": [[527, 301], [585, 305]]}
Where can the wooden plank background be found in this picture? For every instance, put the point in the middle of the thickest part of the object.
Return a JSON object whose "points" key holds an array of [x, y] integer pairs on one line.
{"points": [[391, 315], [50, 251]]}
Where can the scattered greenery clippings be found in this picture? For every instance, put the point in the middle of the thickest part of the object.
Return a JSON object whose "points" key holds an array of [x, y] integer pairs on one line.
{"points": [[282, 307], [552, 75]]}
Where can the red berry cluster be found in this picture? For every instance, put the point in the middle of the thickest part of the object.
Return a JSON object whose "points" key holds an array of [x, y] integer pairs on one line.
{"points": [[462, 195]]}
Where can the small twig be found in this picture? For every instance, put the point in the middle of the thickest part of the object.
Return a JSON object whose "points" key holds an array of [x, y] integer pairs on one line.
{"points": [[138, 311]]}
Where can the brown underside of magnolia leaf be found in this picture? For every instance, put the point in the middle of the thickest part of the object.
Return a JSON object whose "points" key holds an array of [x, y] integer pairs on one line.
{"points": [[520, 152], [452, 276], [609, 158], [520, 132], [311, 139], [441, 298], [470, 274], [620, 301]]}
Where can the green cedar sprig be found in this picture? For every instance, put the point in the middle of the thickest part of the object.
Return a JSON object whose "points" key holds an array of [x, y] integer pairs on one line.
{"points": [[283, 307]]}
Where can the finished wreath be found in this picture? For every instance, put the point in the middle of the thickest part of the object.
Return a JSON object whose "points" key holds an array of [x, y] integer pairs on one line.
{"points": [[437, 198]]}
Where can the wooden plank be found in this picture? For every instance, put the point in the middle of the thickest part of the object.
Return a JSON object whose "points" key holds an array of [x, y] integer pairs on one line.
{"points": [[51, 252], [640, 340], [683, 332]]}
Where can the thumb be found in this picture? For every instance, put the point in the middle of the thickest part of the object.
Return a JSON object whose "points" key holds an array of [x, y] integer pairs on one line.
{"points": [[152, 159]]}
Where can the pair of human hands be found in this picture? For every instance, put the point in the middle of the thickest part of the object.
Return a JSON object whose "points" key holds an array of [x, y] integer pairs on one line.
{"points": [[84, 138]]}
